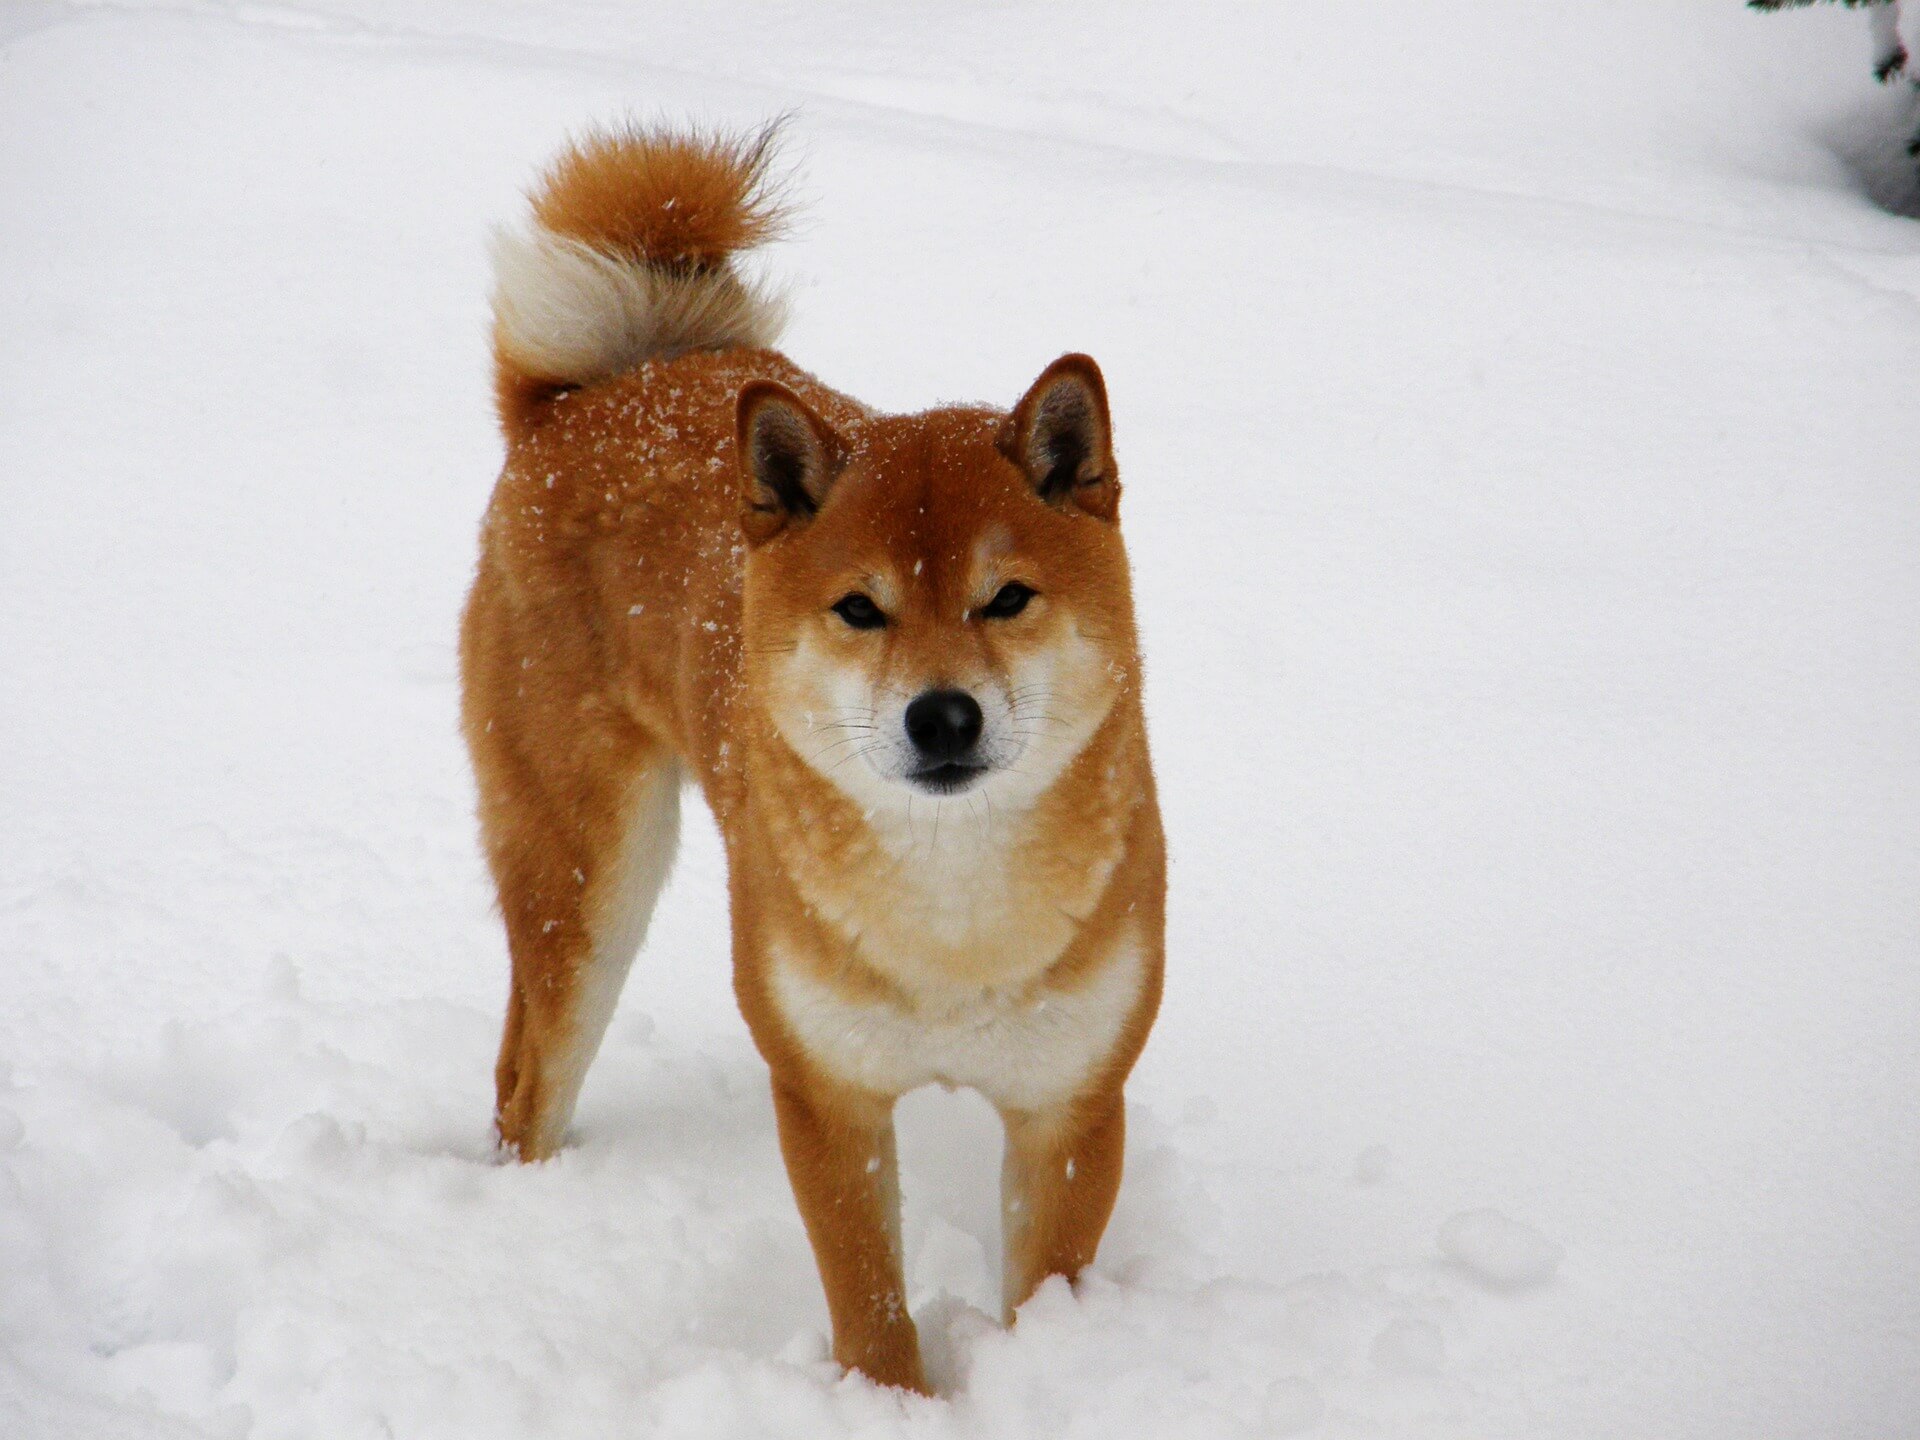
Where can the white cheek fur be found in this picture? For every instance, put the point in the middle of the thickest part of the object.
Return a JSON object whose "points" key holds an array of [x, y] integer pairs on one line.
{"points": [[853, 732]]}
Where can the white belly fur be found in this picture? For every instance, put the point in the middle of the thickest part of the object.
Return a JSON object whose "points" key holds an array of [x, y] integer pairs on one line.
{"points": [[1024, 1047]]}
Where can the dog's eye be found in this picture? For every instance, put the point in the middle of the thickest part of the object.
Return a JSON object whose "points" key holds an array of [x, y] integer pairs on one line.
{"points": [[1011, 599], [860, 612]]}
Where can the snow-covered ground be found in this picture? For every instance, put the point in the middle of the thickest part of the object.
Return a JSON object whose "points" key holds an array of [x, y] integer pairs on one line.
{"points": [[1517, 407]]}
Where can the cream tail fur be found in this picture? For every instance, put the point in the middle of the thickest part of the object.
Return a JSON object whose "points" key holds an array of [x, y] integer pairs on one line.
{"points": [[569, 313]]}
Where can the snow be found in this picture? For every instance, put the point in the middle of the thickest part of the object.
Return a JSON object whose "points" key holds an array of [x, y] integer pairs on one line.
{"points": [[1524, 517], [1410, 1347], [1503, 1253]]}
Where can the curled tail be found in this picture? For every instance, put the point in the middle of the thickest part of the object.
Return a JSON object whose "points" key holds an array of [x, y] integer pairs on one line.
{"points": [[630, 257]]}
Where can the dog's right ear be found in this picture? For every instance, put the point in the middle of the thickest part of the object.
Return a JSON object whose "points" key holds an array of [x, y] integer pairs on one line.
{"points": [[788, 459]]}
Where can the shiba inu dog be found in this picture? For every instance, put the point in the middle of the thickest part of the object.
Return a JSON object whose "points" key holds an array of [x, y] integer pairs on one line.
{"points": [[896, 652]]}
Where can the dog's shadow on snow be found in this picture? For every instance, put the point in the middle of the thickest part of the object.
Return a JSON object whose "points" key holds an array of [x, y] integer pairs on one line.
{"points": [[1872, 144]]}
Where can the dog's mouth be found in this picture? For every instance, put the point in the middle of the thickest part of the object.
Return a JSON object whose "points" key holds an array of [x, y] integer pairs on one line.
{"points": [[948, 779]]}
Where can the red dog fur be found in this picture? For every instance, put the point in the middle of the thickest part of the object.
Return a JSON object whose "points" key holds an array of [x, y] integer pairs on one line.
{"points": [[897, 653]]}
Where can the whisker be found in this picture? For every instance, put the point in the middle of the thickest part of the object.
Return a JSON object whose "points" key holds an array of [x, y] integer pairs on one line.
{"points": [[833, 745], [861, 753]]}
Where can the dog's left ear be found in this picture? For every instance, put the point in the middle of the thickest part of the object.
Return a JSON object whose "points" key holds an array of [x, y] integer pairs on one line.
{"points": [[1061, 436]]}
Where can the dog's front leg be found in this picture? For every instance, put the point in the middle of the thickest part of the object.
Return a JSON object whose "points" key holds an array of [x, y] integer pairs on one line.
{"points": [[838, 1145], [1057, 1183]]}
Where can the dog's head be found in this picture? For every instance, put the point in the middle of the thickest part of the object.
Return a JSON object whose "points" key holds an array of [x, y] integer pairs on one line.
{"points": [[936, 603]]}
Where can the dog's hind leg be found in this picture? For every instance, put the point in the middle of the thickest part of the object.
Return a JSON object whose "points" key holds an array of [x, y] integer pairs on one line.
{"points": [[576, 896]]}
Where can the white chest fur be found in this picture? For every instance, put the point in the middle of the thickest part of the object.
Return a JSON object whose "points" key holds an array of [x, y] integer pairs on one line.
{"points": [[956, 899], [1024, 1047]]}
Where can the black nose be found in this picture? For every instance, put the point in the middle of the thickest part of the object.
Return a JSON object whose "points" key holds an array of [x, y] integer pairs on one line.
{"points": [[944, 724]]}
